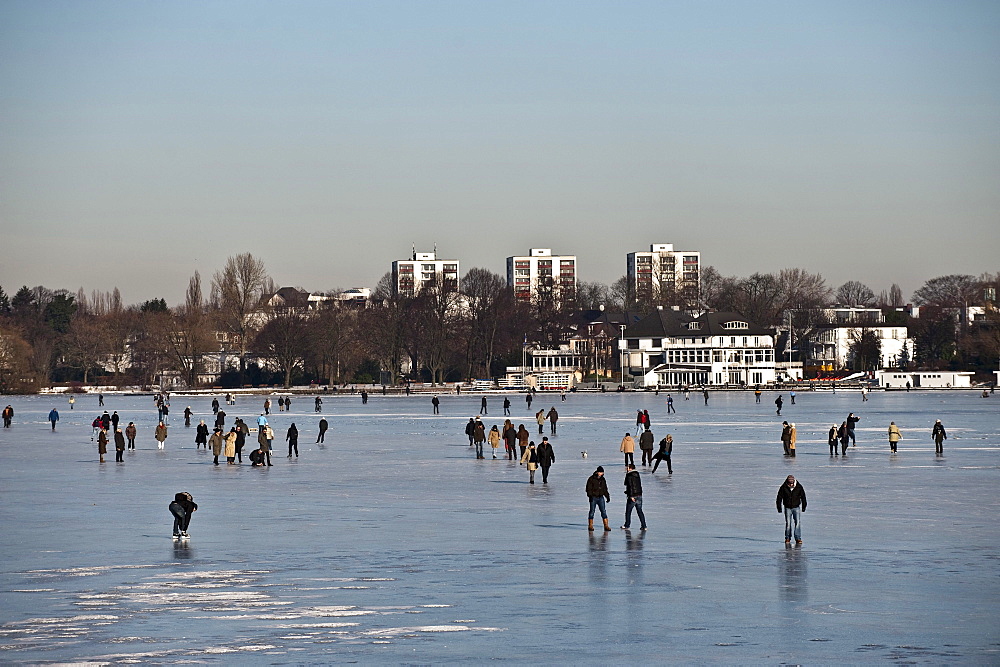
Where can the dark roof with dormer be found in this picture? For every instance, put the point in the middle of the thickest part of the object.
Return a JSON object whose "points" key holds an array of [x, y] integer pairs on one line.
{"points": [[678, 324]]}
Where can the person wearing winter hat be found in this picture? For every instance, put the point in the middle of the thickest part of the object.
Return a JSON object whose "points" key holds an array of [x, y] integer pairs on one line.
{"points": [[597, 493]]}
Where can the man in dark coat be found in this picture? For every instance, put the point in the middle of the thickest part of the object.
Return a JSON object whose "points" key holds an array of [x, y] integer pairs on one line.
{"points": [[470, 430], [633, 491], [323, 426], [939, 436], [119, 446], [597, 493], [553, 417], [436, 402], [546, 457], [851, 421], [646, 445], [792, 499], [479, 437]]}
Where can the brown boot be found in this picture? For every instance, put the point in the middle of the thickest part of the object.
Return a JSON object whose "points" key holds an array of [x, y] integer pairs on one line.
{"points": [[590, 524], [606, 526]]}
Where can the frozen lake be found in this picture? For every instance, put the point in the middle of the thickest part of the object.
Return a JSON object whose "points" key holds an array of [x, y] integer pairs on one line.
{"points": [[392, 543]]}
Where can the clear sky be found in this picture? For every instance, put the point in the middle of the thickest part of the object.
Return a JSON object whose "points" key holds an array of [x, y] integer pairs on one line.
{"points": [[141, 141]]}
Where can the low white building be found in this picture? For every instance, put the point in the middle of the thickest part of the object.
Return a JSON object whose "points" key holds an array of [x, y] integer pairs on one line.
{"points": [[895, 379], [670, 347]]}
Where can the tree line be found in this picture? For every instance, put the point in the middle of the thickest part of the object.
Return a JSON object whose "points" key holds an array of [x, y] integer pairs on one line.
{"points": [[57, 336]]}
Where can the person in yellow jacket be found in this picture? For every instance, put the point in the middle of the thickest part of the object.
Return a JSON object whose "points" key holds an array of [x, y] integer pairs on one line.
{"points": [[894, 436], [628, 448], [494, 439]]}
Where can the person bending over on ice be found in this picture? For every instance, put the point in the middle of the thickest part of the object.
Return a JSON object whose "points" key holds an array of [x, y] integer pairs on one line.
{"points": [[182, 508]]}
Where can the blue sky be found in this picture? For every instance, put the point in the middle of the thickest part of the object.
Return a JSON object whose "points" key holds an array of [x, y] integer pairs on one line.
{"points": [[142, 141]]}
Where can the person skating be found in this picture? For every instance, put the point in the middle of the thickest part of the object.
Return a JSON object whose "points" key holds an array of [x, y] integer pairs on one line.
{"points": [[938, 435], [831, 439], [292, 436], [114, 420], [182, 507], [527, 400], [100, 400], [215, 406], [704, 392], [670, 404], [851, 421], [216, 442], [267, 406], [319, 404], [323, 426], [523, 437], [494, 439], [187, 416], [201, 435], [646, 447], [470, 430], [628, 448], [845, 438], [597, 494], [436, 402], [633, 491], [509, 435], [756, 393], [638, 420], [482, 406], [663, 453], [778, 403], [506, 406], [72, 402], [241, 438], [119, 446], [160, 434], [220, 419], [546, 457], [479, 437], [102, 443], [553, 417], [786, 435], [791, 395], [792, 500], [530, 459], [894, 436], [8, 415], [264, 437], [53, 418]]}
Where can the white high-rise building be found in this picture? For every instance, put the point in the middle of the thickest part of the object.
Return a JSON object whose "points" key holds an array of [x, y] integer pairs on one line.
{"points": [[410, 276], [541, 276], [665, 276]]}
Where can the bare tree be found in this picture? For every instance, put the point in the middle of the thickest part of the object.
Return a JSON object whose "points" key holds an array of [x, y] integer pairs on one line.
{"points": [[854, 293], [283, 340], [238, 292], [896, 296], [953, 291], [491, 319]]}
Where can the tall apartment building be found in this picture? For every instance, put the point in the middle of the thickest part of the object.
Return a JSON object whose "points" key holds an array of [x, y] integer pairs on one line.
{"points": [[410, 276], [664, 276], [541, 276]]}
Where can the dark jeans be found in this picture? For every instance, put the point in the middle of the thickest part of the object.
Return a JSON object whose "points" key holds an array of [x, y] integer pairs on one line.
{"points": [[131, 443], [552, 428], [181, 518], [647, 457], [637, 504], [657, 464], [120, 455], [843, 446], [539, 428], [479, 450], [629, 458], [598, 502], [319, 438], [293, 444], [545, 473]]}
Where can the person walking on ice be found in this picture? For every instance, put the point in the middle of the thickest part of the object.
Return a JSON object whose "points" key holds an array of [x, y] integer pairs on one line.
{"points": [[894, 436], [792, 500], [939, 436], [633, 491], [160, 435], [182, 507], [53, 417], [597, 493], [530, 459], [628, 448]]}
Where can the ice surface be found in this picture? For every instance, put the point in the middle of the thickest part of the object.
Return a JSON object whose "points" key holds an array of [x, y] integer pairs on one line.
{"points": [[390, 542]]}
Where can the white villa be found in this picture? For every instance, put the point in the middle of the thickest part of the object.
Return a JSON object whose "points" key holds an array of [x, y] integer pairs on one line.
{"points": [[670, 347]]}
